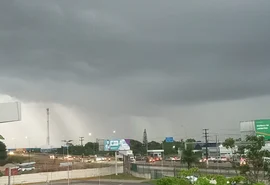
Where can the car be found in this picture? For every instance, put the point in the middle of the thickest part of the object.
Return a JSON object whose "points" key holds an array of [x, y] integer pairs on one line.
{"points": [[139, 158], [221, 160], [150, 159]]}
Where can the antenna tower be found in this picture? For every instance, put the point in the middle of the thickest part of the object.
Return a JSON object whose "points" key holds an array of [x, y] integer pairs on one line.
{"points": [[48, 126]]}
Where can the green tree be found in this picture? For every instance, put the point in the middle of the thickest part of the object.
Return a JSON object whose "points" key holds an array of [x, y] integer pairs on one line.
{"points": [[254, 157], [191, 140], [137, 147], [189, 156], [172, 148], [91, 148], [3, 151], [190, 143], [153, 145], [172, 181], [229, 143], [76, 150]]}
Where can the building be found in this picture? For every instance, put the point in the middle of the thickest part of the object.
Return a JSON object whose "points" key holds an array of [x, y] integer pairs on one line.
{"points": [[214, 149]]}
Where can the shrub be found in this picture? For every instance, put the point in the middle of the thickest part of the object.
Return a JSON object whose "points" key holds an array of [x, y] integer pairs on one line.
{"points": [[172, 181]]}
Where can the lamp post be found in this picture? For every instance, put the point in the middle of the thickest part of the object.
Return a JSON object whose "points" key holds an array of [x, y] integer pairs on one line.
{"points": [[115, 154], [14, 142], [162, 164], [29, 147], [67, 142], [90, 134]]}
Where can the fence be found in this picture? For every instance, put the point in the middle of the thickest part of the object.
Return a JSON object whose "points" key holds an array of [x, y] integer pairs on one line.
{"points": [[172, 171], [157, 172], [60, 175]]}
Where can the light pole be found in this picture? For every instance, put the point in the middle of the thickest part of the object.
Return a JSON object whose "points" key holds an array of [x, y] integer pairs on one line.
{"points": [[67, 142], [29, 147], [185, 131], [14, 142], [162, 164], [115, 154], [90, 134]]}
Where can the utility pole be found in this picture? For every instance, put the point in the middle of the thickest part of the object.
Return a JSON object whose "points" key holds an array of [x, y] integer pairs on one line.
{"points": [[48, 127], [81, 140], [206, 135], [217, 146]]}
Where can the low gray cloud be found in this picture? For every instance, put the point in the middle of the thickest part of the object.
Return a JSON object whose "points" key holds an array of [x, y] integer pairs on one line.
{"points": [[123, 59]]}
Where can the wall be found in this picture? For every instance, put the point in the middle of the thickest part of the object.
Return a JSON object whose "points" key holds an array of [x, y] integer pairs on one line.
{"points": [[141, 175], [61, 175]]}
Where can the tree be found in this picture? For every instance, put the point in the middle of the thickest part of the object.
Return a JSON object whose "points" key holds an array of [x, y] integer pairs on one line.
{"points": [[254, 157], [3, 151], [137, 147], [189, 156], [153, 145], [190, 140], [190, 143], [145, 140], [90, 148], [76, 150], [229, 143]]}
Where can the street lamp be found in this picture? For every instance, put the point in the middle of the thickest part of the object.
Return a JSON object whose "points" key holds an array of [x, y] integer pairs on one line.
{"points": [[94, 147], [67, 142], [115, 155], [29, 148], [14, 142]]}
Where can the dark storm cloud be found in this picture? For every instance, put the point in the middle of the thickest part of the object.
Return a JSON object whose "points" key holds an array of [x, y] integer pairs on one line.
{"points": [[124, 53]]}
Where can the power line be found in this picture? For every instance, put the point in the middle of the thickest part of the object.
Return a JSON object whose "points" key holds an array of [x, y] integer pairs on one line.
{"points": [[81, 140]]}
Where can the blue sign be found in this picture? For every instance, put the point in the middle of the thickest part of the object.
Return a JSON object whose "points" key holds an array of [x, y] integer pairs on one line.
{"points": [[169, 140]]}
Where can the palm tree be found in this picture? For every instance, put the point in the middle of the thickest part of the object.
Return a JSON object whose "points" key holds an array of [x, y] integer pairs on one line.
{"points": [[189, 156]]}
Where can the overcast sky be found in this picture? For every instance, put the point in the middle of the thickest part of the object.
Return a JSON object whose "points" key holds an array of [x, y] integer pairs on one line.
{"points": [[173, 67]]}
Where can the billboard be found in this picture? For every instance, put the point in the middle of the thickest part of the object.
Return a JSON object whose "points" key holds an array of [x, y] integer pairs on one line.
{"points": [[10, 112], [262, 128], [169, 139], [116, 144]]}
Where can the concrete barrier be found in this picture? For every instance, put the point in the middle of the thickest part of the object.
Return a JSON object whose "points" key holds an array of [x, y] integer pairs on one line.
{"points": [[141, 175], [61, 175]]}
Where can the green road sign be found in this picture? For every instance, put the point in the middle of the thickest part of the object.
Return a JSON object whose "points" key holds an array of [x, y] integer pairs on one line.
{"points": [[262, 128]]}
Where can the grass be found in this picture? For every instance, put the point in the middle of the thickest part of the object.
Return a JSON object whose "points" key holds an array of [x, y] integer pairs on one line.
{"points": [[151, 182], [121, 176]]}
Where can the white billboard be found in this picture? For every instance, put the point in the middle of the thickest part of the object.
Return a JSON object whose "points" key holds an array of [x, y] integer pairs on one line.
{"points": [[10, 112]]}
